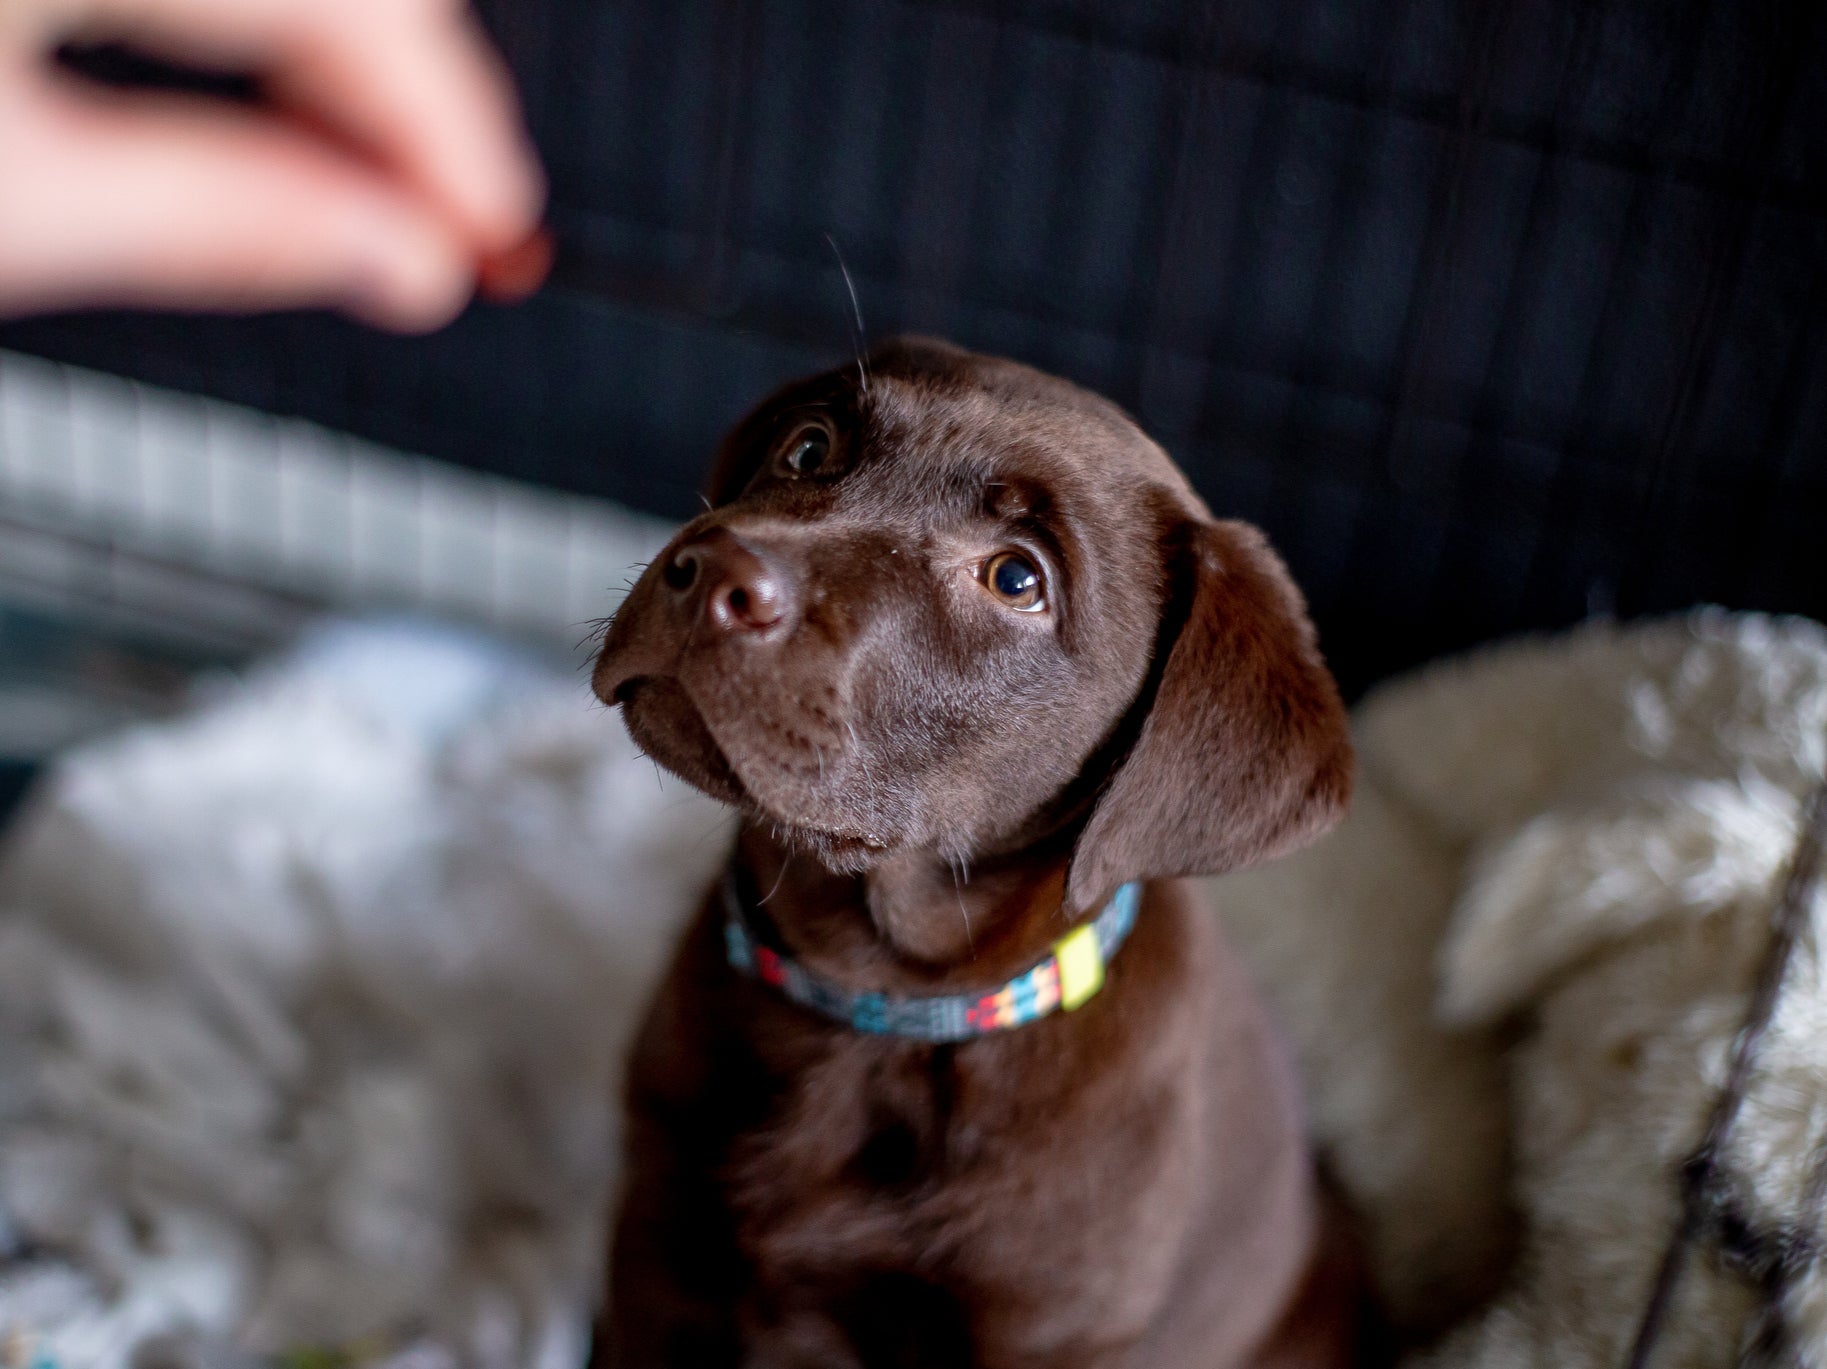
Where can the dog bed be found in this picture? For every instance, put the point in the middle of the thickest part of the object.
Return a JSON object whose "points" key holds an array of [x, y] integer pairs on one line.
{"points": [[310, 1010], [311, 1002], [1516, 972]]}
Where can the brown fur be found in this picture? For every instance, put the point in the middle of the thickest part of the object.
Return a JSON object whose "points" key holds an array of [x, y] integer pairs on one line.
{"points": [[936, 787]]}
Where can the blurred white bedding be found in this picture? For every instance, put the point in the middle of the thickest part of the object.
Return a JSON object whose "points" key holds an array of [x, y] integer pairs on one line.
{"points": [[310, 1008], [1515, 975]]}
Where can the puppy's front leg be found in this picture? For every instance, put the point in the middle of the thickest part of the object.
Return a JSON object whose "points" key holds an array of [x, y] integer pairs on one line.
{"points": [[667, 1306], [675, 1274], [804, 1341]]}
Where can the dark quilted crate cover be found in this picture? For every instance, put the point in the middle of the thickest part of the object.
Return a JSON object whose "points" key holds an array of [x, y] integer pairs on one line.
{"points": [[1493, 314]]}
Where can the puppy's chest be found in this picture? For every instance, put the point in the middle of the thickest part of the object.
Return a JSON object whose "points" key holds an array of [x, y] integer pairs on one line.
{"points": [[870, 1123], [968, 1167]]}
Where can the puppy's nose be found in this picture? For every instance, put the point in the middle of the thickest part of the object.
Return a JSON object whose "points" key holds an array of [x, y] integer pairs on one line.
{"points": [[743, 590]]}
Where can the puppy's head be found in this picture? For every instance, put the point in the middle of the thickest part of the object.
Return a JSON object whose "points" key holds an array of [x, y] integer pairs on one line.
{"points": [[952, 604]]}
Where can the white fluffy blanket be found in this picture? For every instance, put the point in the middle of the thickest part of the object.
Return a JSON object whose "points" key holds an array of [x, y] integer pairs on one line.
{"points": [[311, 1003], [310, 1008], [1515, 973]]}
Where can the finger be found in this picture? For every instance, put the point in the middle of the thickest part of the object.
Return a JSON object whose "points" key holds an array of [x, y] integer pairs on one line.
{"points": [[154, 201], [414, 82], [432, 99]]}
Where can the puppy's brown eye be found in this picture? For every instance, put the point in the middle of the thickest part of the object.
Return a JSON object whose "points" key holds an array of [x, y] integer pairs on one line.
{"points": [[1015, 580], [807, 450]]}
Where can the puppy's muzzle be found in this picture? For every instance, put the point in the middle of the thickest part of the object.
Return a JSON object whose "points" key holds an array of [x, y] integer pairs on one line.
{"points": [[732, 586]]}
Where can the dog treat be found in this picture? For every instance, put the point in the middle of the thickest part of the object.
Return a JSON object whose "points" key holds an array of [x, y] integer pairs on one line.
{"points": [[513, 275]]}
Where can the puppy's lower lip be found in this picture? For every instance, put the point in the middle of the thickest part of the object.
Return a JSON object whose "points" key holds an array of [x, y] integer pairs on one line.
{"points": [[859, 840]]}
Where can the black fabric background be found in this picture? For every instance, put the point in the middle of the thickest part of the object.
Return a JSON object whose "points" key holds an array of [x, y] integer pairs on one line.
{"points": [[1493, 314]]}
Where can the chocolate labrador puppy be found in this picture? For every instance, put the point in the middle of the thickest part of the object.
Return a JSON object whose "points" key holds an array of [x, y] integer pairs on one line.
{"points": [[950, 1071]]}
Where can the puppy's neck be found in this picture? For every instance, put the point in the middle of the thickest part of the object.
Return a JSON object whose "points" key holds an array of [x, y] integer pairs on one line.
{"points": [[913, 921], [937, 913]]}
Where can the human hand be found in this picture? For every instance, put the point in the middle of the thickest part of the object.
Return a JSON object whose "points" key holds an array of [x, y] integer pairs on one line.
{"points": [[387, 169]]}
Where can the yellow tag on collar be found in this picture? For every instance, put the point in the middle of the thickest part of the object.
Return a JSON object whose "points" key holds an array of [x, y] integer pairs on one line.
{"points": [[1081, 966]]}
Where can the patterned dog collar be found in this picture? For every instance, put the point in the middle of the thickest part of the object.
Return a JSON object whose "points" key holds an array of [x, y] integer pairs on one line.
{"points": [[1064, 980]]}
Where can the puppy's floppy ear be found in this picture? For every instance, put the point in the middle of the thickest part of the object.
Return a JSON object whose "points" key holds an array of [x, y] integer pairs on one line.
{"points": [[1243, 752]]}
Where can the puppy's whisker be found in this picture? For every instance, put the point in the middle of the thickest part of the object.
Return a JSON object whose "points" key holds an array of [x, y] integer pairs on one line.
{"points": [[856, 311], [593, 629], [786, 859], [715, 829], [691, 637], [970, 940], [862, 759]]}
